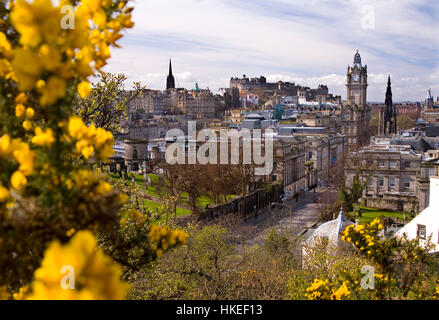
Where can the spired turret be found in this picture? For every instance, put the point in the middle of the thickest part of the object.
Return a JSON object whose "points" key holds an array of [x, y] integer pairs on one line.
{"points": [[170, 81], [390, 114]]}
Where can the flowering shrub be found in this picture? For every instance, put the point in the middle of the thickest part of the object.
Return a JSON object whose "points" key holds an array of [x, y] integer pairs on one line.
{"points": [[50, 187], [365, 237], [401, 268], [163, 238], [94, 274], [320, 290]]}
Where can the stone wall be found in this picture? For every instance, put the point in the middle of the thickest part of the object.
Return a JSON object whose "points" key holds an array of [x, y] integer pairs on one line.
{"points": [[407, 205], [243, 206]]}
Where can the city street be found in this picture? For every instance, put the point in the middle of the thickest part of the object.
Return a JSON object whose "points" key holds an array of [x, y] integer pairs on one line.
{"points": [[304, 214]]}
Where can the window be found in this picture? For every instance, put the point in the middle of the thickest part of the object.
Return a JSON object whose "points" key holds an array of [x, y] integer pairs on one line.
{"points": [[381, 182], [407, 183], [422, 231], [370, 182], [309, 155], [392, 182], [381, 164], [393, 164]]}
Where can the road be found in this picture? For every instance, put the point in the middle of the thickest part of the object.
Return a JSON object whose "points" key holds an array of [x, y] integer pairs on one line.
{"points": [[304, 215]]}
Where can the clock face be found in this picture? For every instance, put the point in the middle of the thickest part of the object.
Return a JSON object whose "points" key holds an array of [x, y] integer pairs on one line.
{"points": [[355, 77]]}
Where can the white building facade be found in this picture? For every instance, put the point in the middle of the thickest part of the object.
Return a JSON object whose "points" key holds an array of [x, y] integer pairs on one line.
{"points": [[426, 224]]}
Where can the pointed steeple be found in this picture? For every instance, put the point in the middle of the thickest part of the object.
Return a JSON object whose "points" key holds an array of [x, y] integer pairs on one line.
{"points": [[390, 115], [170, 67], [389, 91], [170, 81]]}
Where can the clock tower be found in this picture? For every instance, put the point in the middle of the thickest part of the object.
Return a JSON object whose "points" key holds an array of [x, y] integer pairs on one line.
{"points": [[356, 82], [355, 111]]}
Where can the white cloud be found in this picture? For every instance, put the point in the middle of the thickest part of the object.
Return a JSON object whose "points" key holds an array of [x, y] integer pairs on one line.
{"points": [[308, 42]]}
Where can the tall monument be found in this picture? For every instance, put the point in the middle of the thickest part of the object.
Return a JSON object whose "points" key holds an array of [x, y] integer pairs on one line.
{"points": [[390, 114]]}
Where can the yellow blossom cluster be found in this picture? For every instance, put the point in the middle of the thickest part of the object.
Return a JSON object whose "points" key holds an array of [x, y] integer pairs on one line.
{"points": [[84, 178], [381, 277], [90, 140], [21, 153], [22, 112], [164, 238], [43, 137], [342, 292], [53, 53], [320, 290], [133, 216], [364, 237], [93, 275]]}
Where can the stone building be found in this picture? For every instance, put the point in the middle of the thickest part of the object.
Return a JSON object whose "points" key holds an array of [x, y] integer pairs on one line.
{"points": [[327, 152], [392, 172], [196, 103], [289, 163]]}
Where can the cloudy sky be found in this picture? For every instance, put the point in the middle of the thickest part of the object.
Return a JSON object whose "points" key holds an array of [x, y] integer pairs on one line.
{"points": [[309, 42]]}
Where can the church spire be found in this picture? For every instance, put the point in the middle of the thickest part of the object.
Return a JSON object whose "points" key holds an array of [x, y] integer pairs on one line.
{"points": [[170, 81]]}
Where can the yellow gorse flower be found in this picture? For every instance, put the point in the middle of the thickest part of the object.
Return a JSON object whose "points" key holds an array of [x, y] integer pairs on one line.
{"points": [[63, 53], [84, 89], [96, 276], [163, 238], [43, 138], [90, 140], [21, 152]]}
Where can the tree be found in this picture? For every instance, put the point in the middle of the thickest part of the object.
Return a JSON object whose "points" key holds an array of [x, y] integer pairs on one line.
{"points": [[405, 122], [351, 195], [189, 179], [374, 123], [106, 106]]}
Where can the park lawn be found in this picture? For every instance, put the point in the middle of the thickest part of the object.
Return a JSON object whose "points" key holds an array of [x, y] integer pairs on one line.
{"points": [[154, 205], [370, 214], [157, 192], [202, 201]]}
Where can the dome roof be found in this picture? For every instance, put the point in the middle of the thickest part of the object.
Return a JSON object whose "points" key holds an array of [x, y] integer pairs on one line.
{"points": [[254, 116]]}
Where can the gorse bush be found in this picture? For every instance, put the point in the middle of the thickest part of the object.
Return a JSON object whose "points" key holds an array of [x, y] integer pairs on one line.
{"points": [[401, 268], [50, 186]]}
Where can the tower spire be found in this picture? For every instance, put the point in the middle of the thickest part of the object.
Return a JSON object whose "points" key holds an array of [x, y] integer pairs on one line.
{"points": [[390, 124], [170, 81]]}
